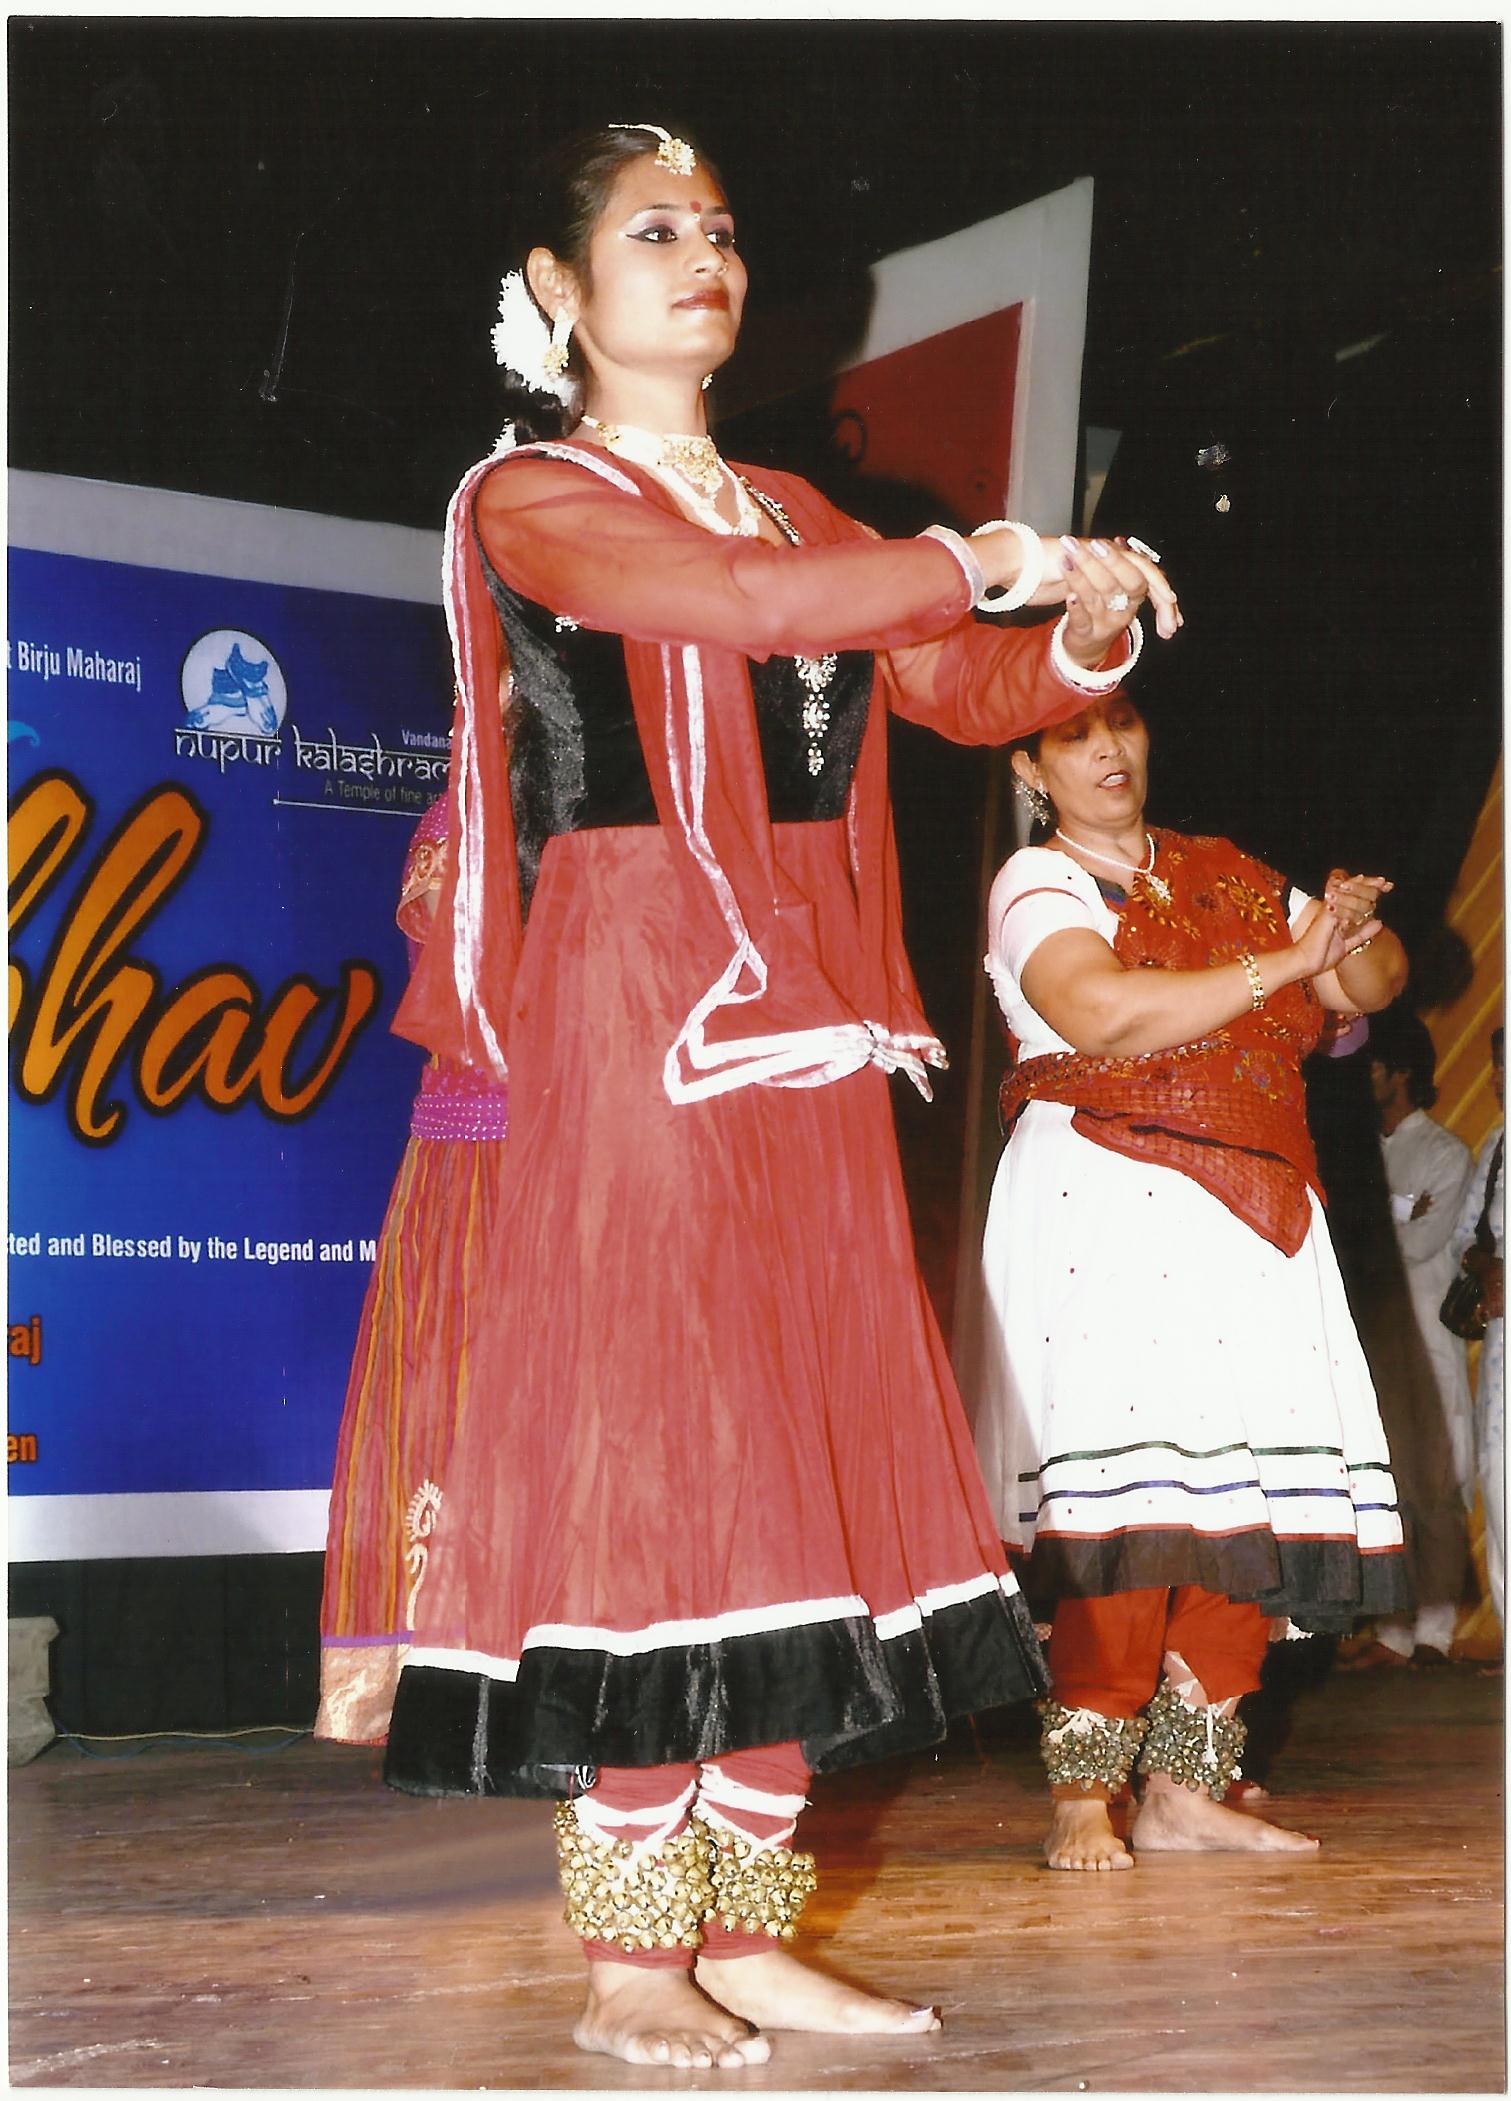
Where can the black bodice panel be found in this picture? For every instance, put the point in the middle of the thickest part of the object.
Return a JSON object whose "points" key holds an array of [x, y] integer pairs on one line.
{"points": [[575, 761]]}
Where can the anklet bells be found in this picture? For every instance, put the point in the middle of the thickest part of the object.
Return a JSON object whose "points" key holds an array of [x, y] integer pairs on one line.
{"points": [[760, 1889], [1083, 1748], [635, 1897], [1196, 1746], [661, 1893]]}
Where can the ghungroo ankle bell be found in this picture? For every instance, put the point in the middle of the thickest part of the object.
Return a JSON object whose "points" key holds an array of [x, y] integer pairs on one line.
{"points": [[1082, 1748], [1194, 1745], [759, 1889], [635, 1897]]}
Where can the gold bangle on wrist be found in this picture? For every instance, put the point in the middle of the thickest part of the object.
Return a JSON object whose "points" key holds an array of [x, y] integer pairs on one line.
{"points": [[1257, 994]]}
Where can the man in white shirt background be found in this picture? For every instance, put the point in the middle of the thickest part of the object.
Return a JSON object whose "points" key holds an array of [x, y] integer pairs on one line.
{"points": [[1428, 1171]]}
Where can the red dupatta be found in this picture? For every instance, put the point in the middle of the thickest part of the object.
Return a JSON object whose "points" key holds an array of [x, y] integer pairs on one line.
{"points": [[761, 1007], [1229, 1110]]}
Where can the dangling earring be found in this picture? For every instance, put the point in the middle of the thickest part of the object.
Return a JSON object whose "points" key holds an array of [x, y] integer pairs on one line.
{"points": [[707, 381], [555, 359], [1034, 800]]}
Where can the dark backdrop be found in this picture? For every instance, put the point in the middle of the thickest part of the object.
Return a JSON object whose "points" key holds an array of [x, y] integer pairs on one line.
{"points": [[258, 259]]}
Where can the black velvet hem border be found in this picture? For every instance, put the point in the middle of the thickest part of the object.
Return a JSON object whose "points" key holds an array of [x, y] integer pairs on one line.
{"points": [[1325, 1586], [846, 1696]]}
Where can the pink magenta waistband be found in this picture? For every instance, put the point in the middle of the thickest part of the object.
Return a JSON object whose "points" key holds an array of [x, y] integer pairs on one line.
{"points": [[459, 1103]]}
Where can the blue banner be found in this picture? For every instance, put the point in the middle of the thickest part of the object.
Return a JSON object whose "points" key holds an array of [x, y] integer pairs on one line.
{"points": [[214, 779]]}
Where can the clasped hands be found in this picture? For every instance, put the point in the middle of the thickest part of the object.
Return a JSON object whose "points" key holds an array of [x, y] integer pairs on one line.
{"points": [[1100, 583], [1355, 899], [1344, 919]]}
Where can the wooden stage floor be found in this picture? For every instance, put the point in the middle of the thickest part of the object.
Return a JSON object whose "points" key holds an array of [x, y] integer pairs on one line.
{"points": [[234, 1918]]}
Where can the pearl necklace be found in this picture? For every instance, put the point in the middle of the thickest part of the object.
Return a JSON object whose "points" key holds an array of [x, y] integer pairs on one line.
{"points": [[1156, 883], [691, 467]]}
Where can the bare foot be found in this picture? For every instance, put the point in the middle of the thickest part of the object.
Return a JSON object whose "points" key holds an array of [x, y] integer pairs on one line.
{"points": [[1174, 1819], [659, 2017], [1081, 1836], [775, 1990]]}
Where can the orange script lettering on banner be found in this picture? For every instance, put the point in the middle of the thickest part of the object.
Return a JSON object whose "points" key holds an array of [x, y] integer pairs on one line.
{"points": [[92, 1007]]}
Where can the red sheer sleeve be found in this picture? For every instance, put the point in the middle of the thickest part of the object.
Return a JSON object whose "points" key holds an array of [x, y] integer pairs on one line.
{"points": [[981, 684], [611, 561]]}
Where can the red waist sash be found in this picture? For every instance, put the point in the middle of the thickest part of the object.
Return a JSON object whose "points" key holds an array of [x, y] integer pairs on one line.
{"points": [[1230, 1109]]}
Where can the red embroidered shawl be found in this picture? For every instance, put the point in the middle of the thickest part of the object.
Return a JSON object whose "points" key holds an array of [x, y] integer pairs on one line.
{"points": [[1230, 1109]]}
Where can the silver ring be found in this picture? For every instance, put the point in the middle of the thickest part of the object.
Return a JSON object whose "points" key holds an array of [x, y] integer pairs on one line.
{"points": [[1118, 602]]}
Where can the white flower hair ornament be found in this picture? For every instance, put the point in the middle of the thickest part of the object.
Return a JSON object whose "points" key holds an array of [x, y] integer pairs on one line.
{"points": [[523, 342]]}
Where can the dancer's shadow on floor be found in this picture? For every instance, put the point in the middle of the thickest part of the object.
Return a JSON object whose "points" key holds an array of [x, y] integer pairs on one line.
{"points": [[856, 1824], [1290, 1669]]}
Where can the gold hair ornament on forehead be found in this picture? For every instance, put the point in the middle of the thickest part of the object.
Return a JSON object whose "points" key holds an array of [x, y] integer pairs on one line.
{"points": [[674, 154]]}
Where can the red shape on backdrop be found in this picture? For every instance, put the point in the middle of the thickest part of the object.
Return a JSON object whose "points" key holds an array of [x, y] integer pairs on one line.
{"points": [[939, 414]]}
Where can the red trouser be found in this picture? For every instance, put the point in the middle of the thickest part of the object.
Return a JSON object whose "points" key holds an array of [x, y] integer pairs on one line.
{"points": [[1106, 1653], [773, 1769]]}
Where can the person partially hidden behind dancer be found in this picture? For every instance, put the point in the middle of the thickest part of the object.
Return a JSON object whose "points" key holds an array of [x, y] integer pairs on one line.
{"points": [[1176, 1426], [713, 1522], [412, 1359]]}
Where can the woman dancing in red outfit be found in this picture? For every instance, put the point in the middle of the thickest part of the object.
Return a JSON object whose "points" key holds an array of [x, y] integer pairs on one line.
{"points": [[713, 1519]]}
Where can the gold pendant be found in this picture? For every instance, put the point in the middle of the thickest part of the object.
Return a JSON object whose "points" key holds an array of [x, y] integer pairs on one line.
{"points": [[697, 461]]}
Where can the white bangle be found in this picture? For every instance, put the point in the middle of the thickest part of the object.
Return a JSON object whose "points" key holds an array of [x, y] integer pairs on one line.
{"points": [[964, 554], [1008, 598], [1092, 681]]}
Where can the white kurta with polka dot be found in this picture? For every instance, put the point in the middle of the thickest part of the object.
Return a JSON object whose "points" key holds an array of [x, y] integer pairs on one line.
{"points": [[1150, 1363]]}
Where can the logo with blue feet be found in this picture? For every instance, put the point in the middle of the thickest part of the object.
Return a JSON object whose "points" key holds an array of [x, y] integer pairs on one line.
{"points": [[232, 684]]}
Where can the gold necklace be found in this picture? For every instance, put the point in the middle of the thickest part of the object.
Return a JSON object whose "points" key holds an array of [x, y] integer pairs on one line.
{"points": [[694, 460], [697, 460]]}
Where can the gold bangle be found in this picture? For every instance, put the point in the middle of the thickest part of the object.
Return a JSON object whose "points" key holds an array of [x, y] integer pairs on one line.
{"points": [[1257, 994], [1358, 950]]}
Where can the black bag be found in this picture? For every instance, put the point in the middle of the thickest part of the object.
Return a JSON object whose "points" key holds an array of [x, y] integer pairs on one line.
{"points": [[1463, 1309]]}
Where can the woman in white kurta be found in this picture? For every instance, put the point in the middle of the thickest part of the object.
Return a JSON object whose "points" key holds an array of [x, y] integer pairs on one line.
{"points": [[1177, 1425]]}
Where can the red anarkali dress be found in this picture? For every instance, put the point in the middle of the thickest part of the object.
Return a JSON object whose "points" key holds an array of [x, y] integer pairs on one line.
{"points": [[712, 1485]]}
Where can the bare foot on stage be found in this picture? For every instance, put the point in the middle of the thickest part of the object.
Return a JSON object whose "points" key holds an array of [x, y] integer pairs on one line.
{"points": [[1174, 1819], [1081, 1836], [773, 1990], [659, 2017]]}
